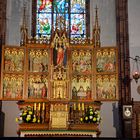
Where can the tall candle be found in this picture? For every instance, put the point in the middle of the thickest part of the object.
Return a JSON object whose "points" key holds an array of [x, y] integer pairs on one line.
{"points": [[43, 108], [74, 106], [34, 106], [83, 108]]}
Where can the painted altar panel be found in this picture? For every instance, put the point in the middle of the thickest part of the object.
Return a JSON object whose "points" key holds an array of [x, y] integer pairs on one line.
{"points": [[38, 60], [12, 73], [106, 60], [37, 86], [81, 61], [13, 59], [106, 74], [106, 87], [81, 88], [12, 87]]}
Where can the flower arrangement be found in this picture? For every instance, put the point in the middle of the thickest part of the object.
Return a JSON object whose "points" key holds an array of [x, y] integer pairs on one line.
{"points": [[26, 115], [91, 116]]}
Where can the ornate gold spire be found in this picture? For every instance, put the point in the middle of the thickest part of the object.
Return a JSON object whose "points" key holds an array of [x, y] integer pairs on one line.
{"points": [[23, 29], [96, 30]]}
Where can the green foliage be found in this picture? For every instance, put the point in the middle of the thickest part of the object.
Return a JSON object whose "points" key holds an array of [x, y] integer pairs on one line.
{"points": [[91, 116], [26, 115]]}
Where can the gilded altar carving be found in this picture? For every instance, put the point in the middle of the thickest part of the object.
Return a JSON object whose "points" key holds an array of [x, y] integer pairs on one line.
{"points": [[13, 86], [59, 89], [59, 83], [13, 60], [60, 80], [59, 116]]}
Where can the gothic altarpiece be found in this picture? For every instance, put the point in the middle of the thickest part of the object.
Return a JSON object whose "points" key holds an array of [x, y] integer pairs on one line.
{"points": [[59, 79]]}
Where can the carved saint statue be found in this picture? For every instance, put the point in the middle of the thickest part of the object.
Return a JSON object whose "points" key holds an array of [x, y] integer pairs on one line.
{"points": [[74, 93], [44, 91], [81, 93], [59, 54]]}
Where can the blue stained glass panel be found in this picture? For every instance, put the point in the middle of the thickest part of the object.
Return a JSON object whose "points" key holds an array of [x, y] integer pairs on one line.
{"points": [[60, 6], [43, 24], [77, 6], [78, 24], [44, 5]]}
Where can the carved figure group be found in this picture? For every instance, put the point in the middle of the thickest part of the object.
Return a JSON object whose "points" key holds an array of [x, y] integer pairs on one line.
{"points": [[81, 93]]}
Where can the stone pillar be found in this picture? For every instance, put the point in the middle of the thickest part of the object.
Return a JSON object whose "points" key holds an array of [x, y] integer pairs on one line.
{"points": [[3, 20], [124, 64]]}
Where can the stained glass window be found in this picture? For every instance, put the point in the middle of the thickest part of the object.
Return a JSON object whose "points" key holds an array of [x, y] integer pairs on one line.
{"points": [[72, 13], [44, 17]]}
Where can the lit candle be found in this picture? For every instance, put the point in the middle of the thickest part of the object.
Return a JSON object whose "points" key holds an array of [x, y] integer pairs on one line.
{"points": [[43, 108], [79, 107], [74, 106], [39, 106], [83, 108], [34, 106]]}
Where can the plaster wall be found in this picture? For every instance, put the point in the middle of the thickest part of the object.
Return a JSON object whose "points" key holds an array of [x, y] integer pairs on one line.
{"points": [[134, 41]]}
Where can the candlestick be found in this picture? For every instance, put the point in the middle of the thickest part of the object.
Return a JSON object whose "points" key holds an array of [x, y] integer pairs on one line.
{"points": [[39, 106], [70, 109], [42, 116], [79, 107]]}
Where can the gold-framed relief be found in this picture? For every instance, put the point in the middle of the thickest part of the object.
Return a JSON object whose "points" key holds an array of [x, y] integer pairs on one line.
{"points": [[106, 87], [37, 86], [81, 88], [38, 60], [58, 116], [106, 60], [12, 86], [82, 61], [13, 59]]}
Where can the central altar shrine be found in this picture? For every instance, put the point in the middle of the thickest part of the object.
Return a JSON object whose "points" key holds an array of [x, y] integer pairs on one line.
{"points": [[59, 82]]}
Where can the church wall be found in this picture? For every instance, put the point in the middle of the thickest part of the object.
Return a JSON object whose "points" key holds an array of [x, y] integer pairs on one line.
{"points": [[109, 110], [107, 20], [109, 126], [10, 110], [134, 40], [14, 20]]}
